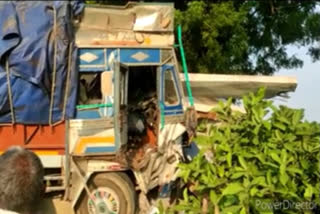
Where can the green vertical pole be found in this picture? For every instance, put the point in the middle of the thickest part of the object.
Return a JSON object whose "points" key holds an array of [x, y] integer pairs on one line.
{"points": [[184, 66]]}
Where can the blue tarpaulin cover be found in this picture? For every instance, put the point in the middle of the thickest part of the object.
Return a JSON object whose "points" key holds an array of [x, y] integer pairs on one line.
{"points": [[37, 49]]}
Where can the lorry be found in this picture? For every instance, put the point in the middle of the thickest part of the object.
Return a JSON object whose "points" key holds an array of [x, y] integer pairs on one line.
{"points": [[95, 92]]}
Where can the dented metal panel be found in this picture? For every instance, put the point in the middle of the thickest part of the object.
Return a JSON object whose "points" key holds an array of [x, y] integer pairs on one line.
{"points": [[161, 165], [136, 24]]}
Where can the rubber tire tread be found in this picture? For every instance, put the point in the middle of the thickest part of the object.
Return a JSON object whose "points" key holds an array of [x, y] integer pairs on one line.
{"points": [[120, 183]]}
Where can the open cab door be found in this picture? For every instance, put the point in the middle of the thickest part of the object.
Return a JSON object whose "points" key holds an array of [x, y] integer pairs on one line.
{"points": [[121, 103]]}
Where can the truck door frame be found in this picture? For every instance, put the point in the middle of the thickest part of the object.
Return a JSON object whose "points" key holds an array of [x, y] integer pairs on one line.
{"points": [[121, 73], [175, 109]]}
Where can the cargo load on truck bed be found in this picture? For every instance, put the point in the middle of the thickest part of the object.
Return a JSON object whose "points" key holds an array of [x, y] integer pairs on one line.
{"points": [[37, 61]]}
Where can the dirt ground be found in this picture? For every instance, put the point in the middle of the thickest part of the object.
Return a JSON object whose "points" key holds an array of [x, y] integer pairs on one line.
{"points": [[55, 206]]}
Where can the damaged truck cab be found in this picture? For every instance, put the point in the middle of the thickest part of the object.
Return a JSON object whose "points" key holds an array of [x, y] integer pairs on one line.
{"points": [[97, 96], [131, 112]]}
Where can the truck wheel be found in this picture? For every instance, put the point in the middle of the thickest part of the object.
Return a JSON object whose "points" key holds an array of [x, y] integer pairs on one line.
{"points": [[111, 193]]}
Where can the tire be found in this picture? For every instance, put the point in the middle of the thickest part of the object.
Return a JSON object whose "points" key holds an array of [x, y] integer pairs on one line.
{"points": [[112, 191]]}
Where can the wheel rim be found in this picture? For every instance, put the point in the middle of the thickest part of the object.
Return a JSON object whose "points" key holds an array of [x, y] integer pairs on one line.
{"points": [[103, 201]]}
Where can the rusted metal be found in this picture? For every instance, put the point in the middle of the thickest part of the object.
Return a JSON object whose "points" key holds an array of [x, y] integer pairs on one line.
{"points": [[142, 135], [131, 25], [207, 115], [191, 122]]}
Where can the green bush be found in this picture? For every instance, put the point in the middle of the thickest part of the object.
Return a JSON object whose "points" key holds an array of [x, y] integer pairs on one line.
{"points": [[263, 161]]}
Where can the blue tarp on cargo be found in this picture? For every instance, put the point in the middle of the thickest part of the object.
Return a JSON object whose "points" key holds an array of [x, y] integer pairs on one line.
{"points": [[39, 60]]}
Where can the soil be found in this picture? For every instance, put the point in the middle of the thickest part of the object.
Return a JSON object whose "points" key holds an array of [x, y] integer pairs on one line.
{"points": [[55, 206]]}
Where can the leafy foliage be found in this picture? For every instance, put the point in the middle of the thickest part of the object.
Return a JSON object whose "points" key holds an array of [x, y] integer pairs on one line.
{"points": [[275, 24], [248, 36], [267, 155], [215, 36]]}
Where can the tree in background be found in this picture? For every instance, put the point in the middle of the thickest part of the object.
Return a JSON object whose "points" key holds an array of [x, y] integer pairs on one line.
{"points": [[245, 37], [215, 37], [273, 25]]}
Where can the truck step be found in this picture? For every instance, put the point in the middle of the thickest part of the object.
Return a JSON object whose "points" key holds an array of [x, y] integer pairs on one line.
{"points": [[57, 177], [54, 182], [55, 188]]}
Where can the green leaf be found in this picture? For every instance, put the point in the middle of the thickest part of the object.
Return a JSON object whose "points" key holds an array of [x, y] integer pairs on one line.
{"points": [[224, 147], [271, 164], [229, 159], [213, 197], [308, 192], [263, 192], [275, 157], [233, 188], [229, 200], [253, 191], [243, 197], [289, 147], [305, 164], [267, 125], [232, 209], [275, 179], [269, 177], [242, 162], [256, 130], [243, 211], [246, 183], [297, 116], [237, 175], [282, 168], [279, 126], [221, 171], [256, 140], [283, 119], [261, 157], [284, 156], [278, 135], [294, 170], [284, 179], [259, 181], [185, 195]]}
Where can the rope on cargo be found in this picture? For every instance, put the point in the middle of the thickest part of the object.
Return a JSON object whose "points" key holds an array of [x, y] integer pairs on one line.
{"points": [[68, 73], [54, 69], [10, 92], [68, 83]]}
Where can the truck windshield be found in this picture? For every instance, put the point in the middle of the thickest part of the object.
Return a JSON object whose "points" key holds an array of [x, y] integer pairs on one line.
{"points": [[170, 90]]}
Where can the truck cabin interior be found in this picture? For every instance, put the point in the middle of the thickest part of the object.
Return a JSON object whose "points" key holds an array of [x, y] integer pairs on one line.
{"points": [[141, 108], [142, 115], [142, 111], [89, 88]]}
